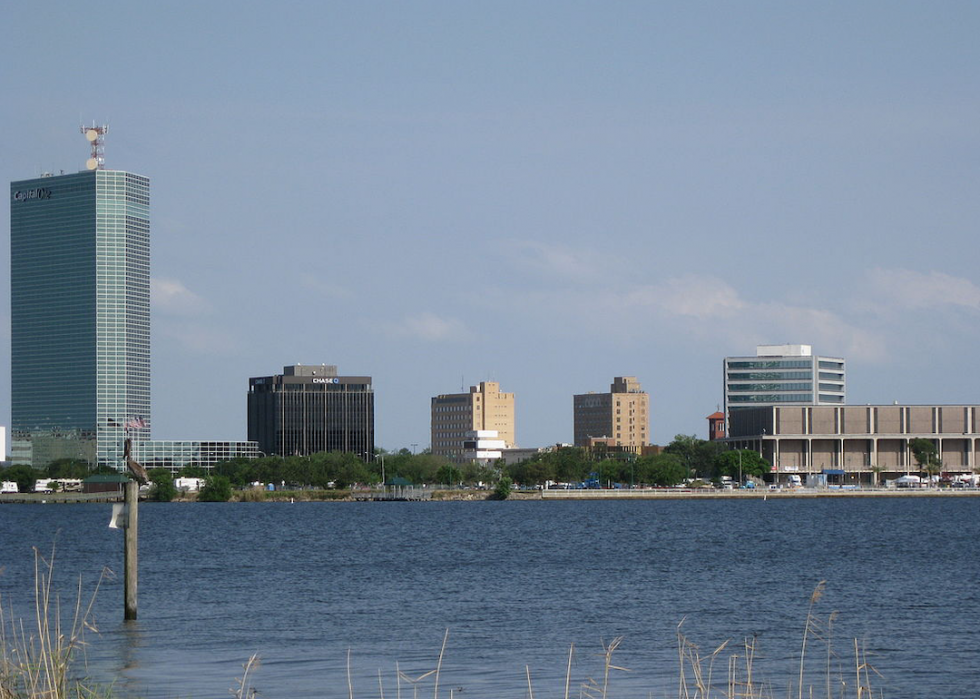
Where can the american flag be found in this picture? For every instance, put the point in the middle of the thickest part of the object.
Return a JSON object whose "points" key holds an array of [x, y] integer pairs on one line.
{"points": [[135, 423]]}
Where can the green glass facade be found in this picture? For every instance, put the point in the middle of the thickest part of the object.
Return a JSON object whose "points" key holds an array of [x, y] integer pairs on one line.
{"points": [[80, 315]]}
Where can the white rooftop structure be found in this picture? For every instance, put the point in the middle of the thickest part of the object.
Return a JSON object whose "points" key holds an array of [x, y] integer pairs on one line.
{"points": [[783, 351]]}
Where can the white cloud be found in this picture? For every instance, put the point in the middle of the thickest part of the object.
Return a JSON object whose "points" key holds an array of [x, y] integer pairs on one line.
{"points": [[197, 338], [430, 328], [691, 295], [705, 309], [171, 297], [324, 288], [909, 289], [559, 260], [828, 332]]}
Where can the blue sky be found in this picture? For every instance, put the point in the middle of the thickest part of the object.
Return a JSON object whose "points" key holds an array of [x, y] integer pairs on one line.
{"points": [[546, 194]]}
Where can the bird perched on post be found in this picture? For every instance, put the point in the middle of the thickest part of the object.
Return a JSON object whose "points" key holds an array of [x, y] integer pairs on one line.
{"points": [[138, 472]]}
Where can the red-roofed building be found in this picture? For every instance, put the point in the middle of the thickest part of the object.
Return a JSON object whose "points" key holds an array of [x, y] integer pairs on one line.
{"points": [[716, 426]]}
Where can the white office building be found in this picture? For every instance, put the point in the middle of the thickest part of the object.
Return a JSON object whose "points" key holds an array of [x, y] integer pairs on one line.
{"points": [[783, 375]]}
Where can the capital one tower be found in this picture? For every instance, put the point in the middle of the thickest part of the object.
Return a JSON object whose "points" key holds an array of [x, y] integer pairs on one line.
{"points": [[80, 313]]}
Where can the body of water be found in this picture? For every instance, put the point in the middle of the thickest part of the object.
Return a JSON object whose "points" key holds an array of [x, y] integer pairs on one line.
{"points": [[515, 584]]}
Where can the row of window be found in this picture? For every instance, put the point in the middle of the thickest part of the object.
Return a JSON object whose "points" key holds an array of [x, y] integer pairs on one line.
{"points": [[802, 386], [768, 375], [771, 364]]}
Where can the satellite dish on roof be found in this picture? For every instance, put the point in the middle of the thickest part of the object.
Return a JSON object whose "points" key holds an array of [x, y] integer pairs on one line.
{"points": [[92, 163]]}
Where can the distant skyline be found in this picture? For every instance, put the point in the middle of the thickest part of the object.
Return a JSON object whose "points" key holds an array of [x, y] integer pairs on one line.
{"points": [[545, 194]]}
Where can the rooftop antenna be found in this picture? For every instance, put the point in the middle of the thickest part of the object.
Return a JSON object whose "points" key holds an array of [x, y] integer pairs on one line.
{"points": [[95, 136]]}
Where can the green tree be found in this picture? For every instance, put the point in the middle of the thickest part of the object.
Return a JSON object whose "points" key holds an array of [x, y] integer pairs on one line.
{"points": [[241, 472], [501, 491], [163, 488], [416, 468], [449, 475], [697, 455], [661, 469], [739, 463], [533, 471], [68, 468], [23, 476], [926, 455], [216, 489], [562, 464], [474, 473]]}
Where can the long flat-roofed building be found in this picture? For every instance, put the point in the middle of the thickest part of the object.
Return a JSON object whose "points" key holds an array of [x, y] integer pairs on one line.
{"points": [[857, 442], [454, 416], [311, 409], [621, 418]]}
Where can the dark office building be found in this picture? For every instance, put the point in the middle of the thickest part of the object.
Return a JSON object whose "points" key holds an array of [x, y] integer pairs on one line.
{"points": [[309, 409]]}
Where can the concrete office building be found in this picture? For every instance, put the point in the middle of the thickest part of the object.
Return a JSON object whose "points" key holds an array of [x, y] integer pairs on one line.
{"points": [[80, 317], [456, 415], [783, 375], [620, 418], [857, 443], [310, 409]]}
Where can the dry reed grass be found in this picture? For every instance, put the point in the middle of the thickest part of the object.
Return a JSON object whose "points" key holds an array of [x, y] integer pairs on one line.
{"points": [[727, 672], [38, 661], [38, 658]]}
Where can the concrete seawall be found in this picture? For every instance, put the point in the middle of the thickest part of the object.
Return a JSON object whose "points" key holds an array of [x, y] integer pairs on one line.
{"points": [[683, 494]]}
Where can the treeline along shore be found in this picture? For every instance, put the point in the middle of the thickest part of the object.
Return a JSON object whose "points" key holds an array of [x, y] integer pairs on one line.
{"points": [[473, 495]]}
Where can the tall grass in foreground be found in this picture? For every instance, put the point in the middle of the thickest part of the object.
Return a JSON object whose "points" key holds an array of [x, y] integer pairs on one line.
{"points": [[837, 678], [39, 660], [38, 656], [728, 672]]}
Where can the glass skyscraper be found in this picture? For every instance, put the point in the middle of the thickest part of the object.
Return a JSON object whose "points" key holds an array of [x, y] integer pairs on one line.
{"points": [[80, 315]]}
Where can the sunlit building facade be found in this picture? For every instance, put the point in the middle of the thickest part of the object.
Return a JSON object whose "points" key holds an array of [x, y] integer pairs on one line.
{"points": [[456, 416], [620, 418]]}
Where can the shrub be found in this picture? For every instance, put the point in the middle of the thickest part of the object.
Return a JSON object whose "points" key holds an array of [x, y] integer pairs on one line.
{"points": [[163, 488], [501, 491], [216, 489]]}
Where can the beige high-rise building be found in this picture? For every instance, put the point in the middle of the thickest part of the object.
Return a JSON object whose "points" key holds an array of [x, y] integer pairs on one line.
{"points": [[456, 414], [622, 415]]}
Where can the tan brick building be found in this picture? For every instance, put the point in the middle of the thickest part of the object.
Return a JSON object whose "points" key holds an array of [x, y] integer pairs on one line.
{"points": [[622, 415], [454, 415]]}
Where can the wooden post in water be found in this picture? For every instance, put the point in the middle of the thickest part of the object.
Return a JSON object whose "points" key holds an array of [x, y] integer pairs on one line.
{"points": [[131, 556]]}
